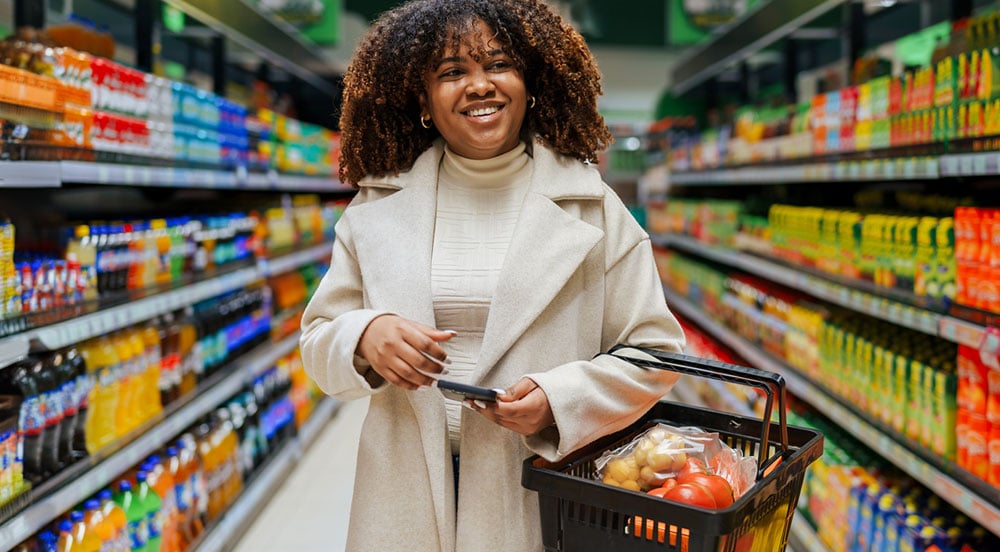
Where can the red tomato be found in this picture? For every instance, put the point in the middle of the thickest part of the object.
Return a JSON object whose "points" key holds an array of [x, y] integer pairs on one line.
{"points": [[691, 467], [669, 484], [693, 494], [721, 490], [659, 491]]}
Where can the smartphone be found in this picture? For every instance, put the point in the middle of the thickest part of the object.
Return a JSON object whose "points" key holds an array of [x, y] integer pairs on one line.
{"points": [[463, 392]]}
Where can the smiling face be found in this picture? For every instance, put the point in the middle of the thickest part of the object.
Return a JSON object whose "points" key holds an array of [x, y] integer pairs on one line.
{"points": [[476, 97]]}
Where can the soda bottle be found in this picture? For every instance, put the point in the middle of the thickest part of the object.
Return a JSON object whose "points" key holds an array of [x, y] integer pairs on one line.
{"points": [[137, 522], [195, 495], [82, 248], [17, 380], [47, 542], [83, 387], [101, 359], [99, 525], [65, 541], [151, 505], [83, 539], [58, 364], [193, 367], [115, 516], [161, 481], [169, 333], [52, 410]]}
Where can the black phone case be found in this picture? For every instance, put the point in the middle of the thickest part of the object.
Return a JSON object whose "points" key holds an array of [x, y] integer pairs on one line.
{"points": [[468, 391]]}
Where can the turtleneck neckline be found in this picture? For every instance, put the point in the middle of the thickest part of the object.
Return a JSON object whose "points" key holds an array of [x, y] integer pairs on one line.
{"points": [[495, 172]]}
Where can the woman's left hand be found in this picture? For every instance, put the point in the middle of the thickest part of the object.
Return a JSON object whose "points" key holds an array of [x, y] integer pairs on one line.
{"points": [[522, 408]]}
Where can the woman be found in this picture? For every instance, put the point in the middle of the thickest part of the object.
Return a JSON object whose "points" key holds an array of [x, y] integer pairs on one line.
{"points": [[482, 246]]}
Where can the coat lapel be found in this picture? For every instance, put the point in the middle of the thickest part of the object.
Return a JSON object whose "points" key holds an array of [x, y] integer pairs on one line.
{"points": [[547, 247]]}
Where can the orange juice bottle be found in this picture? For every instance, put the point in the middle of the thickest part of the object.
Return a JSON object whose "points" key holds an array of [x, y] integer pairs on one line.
{"points": [[190, 356], [83, 539], [125, 415], [143, 408], [151, 341], [115, 516], [162, 483], [103, 366], [98, 525]]}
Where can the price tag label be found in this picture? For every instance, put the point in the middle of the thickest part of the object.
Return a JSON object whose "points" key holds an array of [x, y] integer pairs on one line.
{"points": [[130, 175], [103, 174], [909, 168], [965, 167], [980, 164], [992, 163], [949, 166]]}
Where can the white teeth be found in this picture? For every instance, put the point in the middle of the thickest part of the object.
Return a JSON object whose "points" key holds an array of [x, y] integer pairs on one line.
{"points": [[483, 111]]}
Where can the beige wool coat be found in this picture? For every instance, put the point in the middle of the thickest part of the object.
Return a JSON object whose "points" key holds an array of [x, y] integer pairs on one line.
{"points": [[579, 278]]}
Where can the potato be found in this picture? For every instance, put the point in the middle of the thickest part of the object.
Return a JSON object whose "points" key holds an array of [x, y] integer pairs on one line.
{"points": [[623, 469], [631, 485]]}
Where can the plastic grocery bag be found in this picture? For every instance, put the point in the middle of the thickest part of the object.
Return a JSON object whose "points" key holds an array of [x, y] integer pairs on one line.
{"points": [[663, 452]]}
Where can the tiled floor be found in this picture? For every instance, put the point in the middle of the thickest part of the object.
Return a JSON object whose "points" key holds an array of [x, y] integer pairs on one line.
{"points": [[309, 512]]}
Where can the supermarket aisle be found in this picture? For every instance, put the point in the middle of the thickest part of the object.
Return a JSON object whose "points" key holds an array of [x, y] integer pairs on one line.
{"points": [[309, 511]]}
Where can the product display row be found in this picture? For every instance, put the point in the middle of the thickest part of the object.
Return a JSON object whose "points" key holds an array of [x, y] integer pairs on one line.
{"points": [[968, 493]]}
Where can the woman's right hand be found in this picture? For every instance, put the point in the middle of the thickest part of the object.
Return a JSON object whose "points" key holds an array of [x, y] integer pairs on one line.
{"points": [[395, 348]]}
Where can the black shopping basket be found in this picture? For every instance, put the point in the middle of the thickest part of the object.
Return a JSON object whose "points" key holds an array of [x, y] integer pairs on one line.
{"points": [[579, 513]]}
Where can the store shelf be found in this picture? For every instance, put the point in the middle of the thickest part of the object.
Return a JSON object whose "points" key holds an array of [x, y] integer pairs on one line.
{"points": [[107, 320], [38, 174], [269, 38], [30, 174], [176, 418], [80, 328], [968, 500], [865, 170], [255, 496], [764, 25], [13, 348], [970, 164], [872, 303], [291, 261]]}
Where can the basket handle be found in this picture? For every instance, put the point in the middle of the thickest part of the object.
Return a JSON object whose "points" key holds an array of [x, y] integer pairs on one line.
{"points": [[772, 384]]}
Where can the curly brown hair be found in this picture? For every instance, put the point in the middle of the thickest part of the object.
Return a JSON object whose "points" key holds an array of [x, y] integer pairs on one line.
{"points": [[379, 121]]}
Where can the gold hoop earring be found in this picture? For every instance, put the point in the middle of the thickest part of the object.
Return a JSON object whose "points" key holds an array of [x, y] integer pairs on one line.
{"points": [[532, 104], [425, 122]]}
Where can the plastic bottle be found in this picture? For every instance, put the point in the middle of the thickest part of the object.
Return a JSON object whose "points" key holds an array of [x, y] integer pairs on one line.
{"points": [[16, 380], [154, 362], [51, 406], [83, 539], [170, 375], [151, 506], [65, 542], [125, 415], [162, 482], [145, 406], [82, 248], [101, 359], [47, 542], [195, 493], [190, 353], [66, 376], [82, 389], [115, 516], [135, 516], [98, 525]]}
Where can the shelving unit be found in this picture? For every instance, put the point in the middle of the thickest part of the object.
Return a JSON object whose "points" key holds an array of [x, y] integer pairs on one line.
{"points": [[979, 501], [256, 493], [53, 174], [97, 472], [806, 171], [271, 39], [761, 27], [80, 328], [855, 295]]}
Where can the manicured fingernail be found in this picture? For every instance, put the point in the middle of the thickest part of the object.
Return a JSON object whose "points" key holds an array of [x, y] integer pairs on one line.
{"points": [[467, 405], [479, 403], [452, 332]]}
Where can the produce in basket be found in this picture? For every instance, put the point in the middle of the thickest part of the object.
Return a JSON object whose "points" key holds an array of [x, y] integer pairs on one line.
{"points": [[663, 454]]}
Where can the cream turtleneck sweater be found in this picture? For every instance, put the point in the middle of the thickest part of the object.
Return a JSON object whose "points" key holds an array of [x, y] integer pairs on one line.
{"points": [[478, 203]]}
